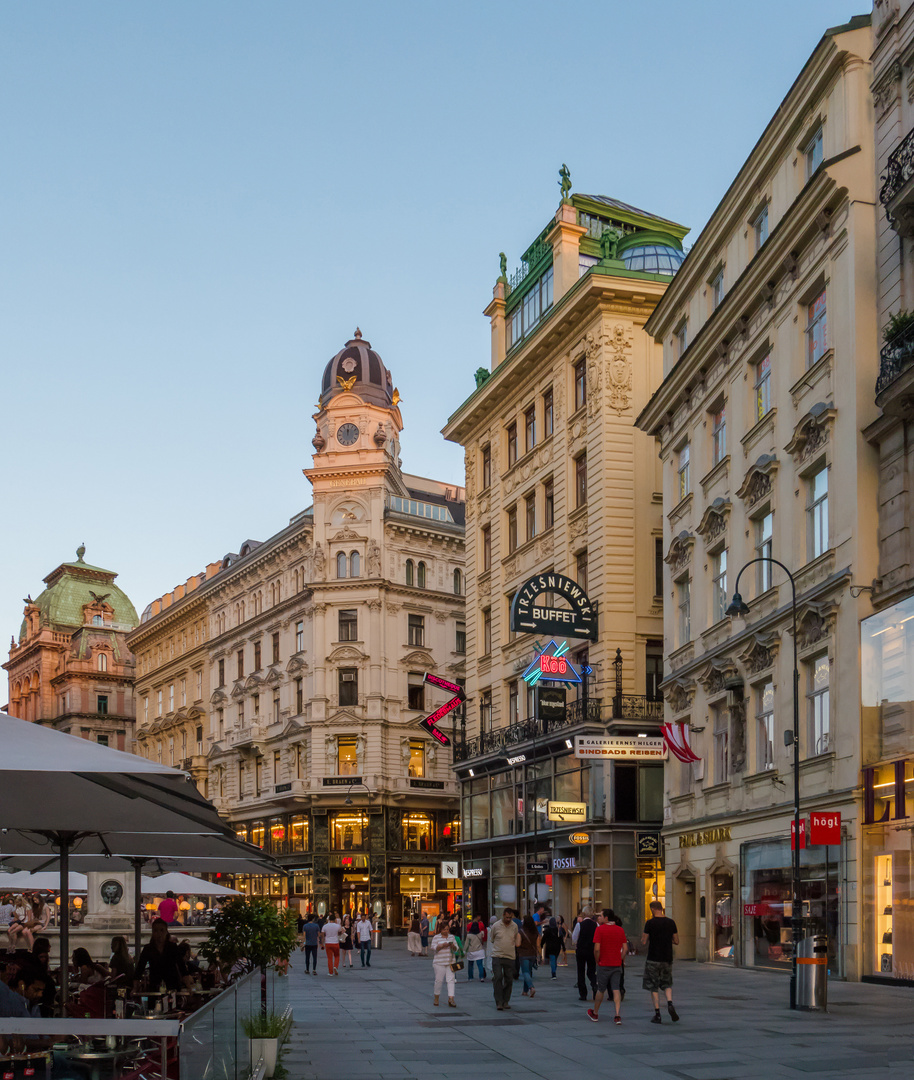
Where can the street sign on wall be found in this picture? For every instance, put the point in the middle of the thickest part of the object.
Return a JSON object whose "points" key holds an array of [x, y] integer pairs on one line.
{"points": [[619, 748], [566, 811]]}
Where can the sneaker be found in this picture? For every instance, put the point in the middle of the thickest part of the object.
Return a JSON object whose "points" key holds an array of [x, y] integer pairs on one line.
{"points": [[655, 1019], [555, 976], [617, 1019], [593, 1016], [674, 1016]]}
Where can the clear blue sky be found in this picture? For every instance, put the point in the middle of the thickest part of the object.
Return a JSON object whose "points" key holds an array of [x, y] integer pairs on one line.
{"points": [[200, 202]]}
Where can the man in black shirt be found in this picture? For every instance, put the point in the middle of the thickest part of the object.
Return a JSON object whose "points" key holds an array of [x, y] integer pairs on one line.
{"points": [[660, 935], [163, 958], [584, 955]]}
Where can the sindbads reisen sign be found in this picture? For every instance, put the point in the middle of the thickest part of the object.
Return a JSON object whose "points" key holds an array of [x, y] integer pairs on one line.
{"points": [[566, 811], [619, 748], [577, 620]]}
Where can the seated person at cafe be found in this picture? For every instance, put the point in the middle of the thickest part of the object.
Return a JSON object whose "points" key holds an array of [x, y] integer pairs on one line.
{"points": [[163, 960], [121, 963], [21, 998], [88, 973], [191, 963]]}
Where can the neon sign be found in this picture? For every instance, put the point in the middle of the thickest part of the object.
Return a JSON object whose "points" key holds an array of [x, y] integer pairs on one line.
{"points": [[553, 665], [455, 702]]}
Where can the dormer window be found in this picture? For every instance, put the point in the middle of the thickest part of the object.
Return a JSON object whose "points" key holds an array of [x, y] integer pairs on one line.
{"points": [[97, 620]]}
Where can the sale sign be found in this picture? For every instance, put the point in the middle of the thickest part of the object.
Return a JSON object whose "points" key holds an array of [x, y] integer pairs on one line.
{"points": [[825, 827], [793, 840]]}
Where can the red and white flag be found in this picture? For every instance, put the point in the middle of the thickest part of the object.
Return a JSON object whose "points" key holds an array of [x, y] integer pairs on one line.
{"points": [[677, 739]]}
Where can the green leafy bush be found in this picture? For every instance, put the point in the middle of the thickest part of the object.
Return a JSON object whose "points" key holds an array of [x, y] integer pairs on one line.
{"points": [[259, 1026], [251, 933], [900, 321]]}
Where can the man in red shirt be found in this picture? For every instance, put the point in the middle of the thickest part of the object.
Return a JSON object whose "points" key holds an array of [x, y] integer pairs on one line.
{"points": [[168, 908], [610, 945]]}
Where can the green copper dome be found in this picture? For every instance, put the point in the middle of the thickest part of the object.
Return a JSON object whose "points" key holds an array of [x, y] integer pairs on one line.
{"points": [[73, 585]]}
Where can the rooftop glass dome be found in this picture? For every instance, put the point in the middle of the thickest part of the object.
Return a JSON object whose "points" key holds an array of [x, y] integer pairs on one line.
{"points": [[653, 258]]}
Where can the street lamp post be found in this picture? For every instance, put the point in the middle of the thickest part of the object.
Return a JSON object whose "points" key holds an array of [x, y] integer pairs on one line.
{"points": [[738, 607]]}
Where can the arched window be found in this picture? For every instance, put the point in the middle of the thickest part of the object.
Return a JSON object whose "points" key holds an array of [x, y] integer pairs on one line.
{"points": [[354, 564], [341, 565], [458, 583], [102, 661], [97, 620], [409, 571], [421, 576]]}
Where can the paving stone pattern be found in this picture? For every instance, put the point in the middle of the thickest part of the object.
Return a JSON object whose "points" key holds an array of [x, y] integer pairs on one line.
{"points": [[377, 1022]]}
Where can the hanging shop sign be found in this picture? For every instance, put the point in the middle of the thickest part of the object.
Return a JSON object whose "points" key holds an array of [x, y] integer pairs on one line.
{"points": [[580, 838], [824, 827], [553, 665], [537, 867], [458, 698], [550, 704], [449, 870], [648, 844], [566, 811], [619, 748], [578, 621]]}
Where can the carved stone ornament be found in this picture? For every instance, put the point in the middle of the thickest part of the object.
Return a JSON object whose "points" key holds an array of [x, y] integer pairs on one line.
{"points": [[318, 442], [592, 350], [577, 528], [758, 481], [374, 559], [347, 534], [815, 623], [812, 432], [737, 712], [717, 673], [469, 466], [680, 695], [760, 652], [713, 523], [887, 91], [680, 553], [619, 369], [511, 567]]}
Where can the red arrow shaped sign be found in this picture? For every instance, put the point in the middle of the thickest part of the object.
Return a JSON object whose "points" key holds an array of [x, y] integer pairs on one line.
{"points": [[443, 684], [456, 701]]}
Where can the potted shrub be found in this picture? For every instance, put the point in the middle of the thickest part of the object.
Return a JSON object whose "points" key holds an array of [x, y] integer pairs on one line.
{"points": [[264, 1031], [251, 933], [897, 324]]}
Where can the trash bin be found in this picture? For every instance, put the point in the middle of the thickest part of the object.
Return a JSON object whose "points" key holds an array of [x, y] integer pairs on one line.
{"points": [[377, 935], [812, 973]]}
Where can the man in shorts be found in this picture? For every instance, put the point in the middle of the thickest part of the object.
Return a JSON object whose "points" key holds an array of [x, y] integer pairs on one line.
{"points": [[610, 945], [660, 935]]}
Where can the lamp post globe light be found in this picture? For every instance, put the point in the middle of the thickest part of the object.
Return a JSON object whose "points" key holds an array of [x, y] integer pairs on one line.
{"points": [[738, 607]]}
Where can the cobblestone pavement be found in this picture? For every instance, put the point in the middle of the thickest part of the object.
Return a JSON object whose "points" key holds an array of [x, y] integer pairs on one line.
{"points": [[380, 1022]]}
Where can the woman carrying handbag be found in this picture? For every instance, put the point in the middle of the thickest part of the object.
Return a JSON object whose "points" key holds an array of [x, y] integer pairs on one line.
{"points": [[445, 960]]}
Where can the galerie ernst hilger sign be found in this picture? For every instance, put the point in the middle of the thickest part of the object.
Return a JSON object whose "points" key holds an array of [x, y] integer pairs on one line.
{"points": [[580, 620], [619, 748]]}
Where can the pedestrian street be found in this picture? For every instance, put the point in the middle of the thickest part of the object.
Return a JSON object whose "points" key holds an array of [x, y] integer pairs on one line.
{"points": [[380, 1022]]}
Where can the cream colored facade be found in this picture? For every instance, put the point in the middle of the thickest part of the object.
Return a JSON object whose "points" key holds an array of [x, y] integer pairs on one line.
{"points": [[317, 640], [559, 480], [769, 364], [887, 715]]}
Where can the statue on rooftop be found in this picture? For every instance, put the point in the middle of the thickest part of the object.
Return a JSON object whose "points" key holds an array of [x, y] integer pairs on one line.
{"points": [[503, 263], [565, 181]]}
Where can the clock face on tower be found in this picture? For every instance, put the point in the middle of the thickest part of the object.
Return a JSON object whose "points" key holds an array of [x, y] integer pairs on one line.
{"points": [[346, 434]]}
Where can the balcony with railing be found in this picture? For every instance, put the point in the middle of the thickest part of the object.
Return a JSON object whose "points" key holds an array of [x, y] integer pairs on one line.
{"points": [[897, 192], [579, 715], [895, 360]]}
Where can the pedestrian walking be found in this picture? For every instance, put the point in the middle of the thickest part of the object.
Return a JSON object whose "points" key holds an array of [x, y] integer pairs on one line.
{"points": [[551, 944], [444, 952], [610, 945], [476, 950], [583, 953], [363, 930], [414, 938], [423, 933], [528, 947], [492, 922], [563, 938], [346, 932], [330, 941], [310, 937], [660, 935], [503, 936]]}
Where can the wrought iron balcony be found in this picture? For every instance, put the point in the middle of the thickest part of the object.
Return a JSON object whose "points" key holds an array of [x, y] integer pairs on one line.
{"points": [[621, 707], [895, 356], [898, 171]]}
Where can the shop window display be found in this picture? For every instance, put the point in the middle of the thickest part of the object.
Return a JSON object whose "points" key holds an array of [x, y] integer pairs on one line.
{"points": [[298, 833], [348, 830], [417, 832]]}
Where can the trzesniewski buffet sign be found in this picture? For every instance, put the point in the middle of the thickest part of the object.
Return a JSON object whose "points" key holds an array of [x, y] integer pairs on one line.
{"points": [[578, 620], [619, 748]]}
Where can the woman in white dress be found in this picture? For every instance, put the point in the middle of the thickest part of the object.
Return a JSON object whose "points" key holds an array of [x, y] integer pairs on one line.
{"points": [[444, 949]]}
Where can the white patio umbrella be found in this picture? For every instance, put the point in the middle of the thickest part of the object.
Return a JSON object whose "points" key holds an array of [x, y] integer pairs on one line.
{"points": [[41, 881], [185, 883], [65, 791]]}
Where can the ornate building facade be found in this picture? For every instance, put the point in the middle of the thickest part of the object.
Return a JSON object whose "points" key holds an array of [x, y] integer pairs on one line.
{"points": [[767, 334], [71, 667], [887, 645], [316, 644], [559, 481]]}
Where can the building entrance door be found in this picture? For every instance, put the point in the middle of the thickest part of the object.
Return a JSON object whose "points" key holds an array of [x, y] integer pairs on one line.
{"points": [[684, 914], [349, 892]]}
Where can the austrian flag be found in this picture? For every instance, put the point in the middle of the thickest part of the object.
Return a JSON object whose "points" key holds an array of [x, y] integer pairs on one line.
{"points": [[677, 739]]}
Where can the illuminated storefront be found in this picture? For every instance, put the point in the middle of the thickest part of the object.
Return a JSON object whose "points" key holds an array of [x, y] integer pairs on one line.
{"points": [[887, 658]]}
